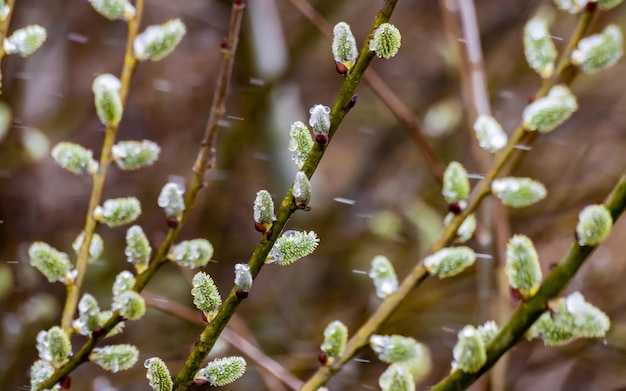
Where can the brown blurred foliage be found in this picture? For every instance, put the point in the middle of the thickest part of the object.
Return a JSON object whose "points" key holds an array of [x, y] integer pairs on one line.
{"points": [[284, 67]]}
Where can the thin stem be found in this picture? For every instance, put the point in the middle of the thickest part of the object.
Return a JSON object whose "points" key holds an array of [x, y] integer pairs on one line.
{"points": [[529, 311], [209, 335], [99, 178], [419, 274], [4, 28], [384, 93]]}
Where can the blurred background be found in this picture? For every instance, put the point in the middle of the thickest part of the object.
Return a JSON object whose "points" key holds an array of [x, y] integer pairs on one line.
{"points": [[373, 194]]}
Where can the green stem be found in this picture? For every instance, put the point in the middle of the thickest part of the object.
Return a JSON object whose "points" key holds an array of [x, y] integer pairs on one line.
{"points": [[110, 136], [418, 274], [529, 311]]}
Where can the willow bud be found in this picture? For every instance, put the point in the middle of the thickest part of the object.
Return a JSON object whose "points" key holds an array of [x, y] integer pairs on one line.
{"points": [[115, 358], [552, 110], [106, 90], [221, 371], [74, 158], [171, 200], [192, 253], [264, 211], [489, 133], [133, 155], [608, 4], [518, 192], [522, 266], [300, 143], [335, 339], [538, 47], [599, 51], [114, 9], [571, 6], [469, 352], [594, 225], [40, 371], [95, 248], [157, 41], [124, 282], [384, 276], [138, 248], [53, 264], [344, 45], [488, 331], [396, 378], [450, 261], [292, 246], [25, 41], [243, 277], [118, 211], [402, 350], [158, 375], [206, 297], [54, 345], [88, 311], [320, 118], [466, 229], [456, 186], [301, 190], [386, 41], [131, 305], [4, 11]]}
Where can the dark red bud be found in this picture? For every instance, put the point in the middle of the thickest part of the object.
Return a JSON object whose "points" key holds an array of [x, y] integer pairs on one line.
{"points": [[552, 265], [172, 222], [515, 294], [241, 294], [97, 332], [455, 208], [322, 358], [224, 43], [259, 227], [591, 6], [204, 318], [66, 383], [353, 101], [341, 68], [321, 138], [238, 2]]}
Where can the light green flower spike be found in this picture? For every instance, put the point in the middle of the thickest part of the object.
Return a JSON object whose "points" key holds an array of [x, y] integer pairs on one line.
{"points": [[384, 276], [52, 263], [522, 266], [538, 47], [192, 253], [469, 352], [171, 200], [300, 143], [130, 304], [489, 133], [396, 378], [292, 246], [456, 186], [594, 225], [74, 158], [335, 339], [301, 191], [546, 113], [570, 319], [115, 358], [571, 6], [221, 371], [466, 229], [118, 211], [157, 41], [54, 345], [133, 155], [124, 282], [264, 216], [114, 9], [599, 51], [138, 248], [488, 331], [158, 375], [104, 317], [344, 46], [608, 4], [450, 261], [88, 311], [4, 12], [206, 297], [95, 247], [386, 41], [106, 90], [243, 277], [40, 371], [25, 41], [402, 350], [518, 192]]}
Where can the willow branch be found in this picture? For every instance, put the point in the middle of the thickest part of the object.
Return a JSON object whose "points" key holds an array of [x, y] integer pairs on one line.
{"points": [[419, 274], [99, 178], [530, 311], [4, 29], [339, 110]]}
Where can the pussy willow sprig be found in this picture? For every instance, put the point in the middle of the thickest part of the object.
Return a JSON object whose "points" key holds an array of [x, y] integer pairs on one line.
{"points": [[287, 207], [99, 177], [530, 310], [506, 158]]}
